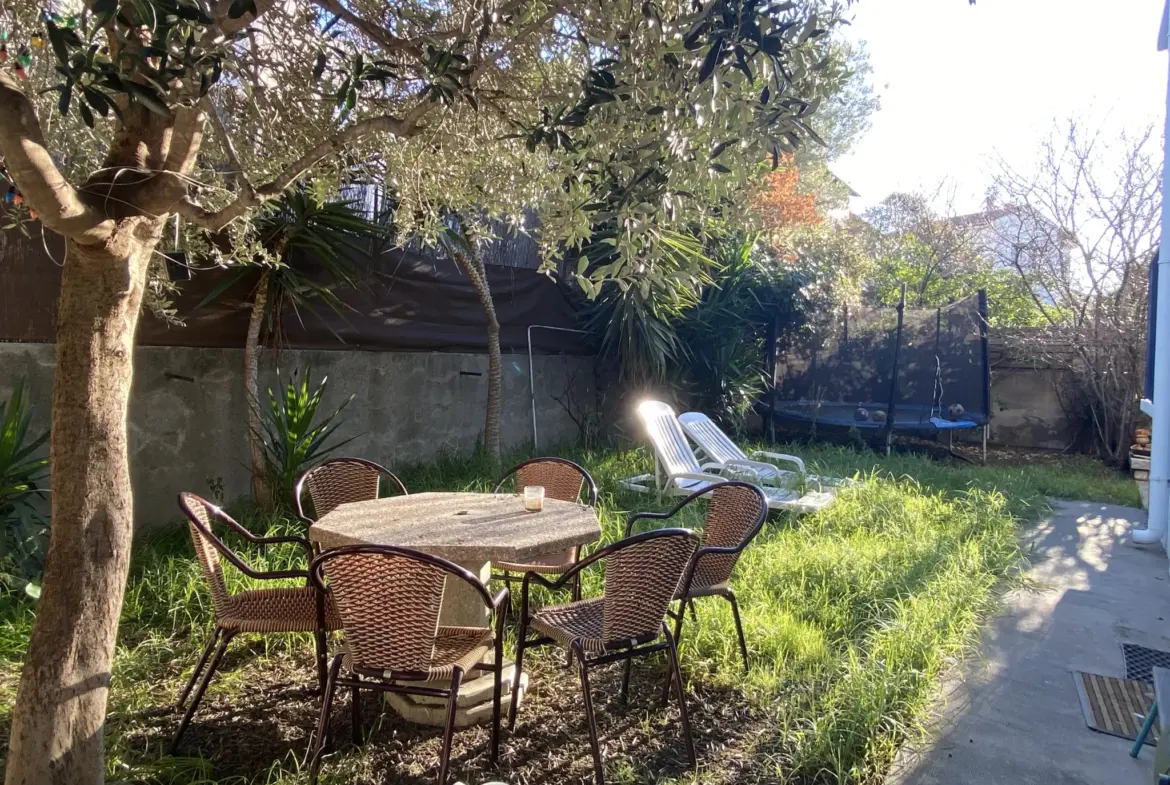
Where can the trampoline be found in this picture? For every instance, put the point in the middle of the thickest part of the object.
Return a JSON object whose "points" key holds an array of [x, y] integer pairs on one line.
{"points": [[920, 371]]}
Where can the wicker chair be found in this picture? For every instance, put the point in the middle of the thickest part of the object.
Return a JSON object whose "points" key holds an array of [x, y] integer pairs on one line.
{"points": [[339, 481], [562, 480], [388, 599], [642, 576], [276, 610], [735, 516]]}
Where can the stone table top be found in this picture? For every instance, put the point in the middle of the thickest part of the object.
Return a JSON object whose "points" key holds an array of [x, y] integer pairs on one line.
{"points": [[462, 527]]}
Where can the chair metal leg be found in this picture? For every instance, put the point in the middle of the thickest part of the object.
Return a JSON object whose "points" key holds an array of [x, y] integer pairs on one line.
{"points": [[498, 698], [317, 747], [591, 721], [672, 652], [678, 622], [449, 728], [678, 625], [694, 613], [523, 633], [627, 666], [198, 669], [322, 659], [738, 628], [576, 595], [224, 639], [1151, 715], [355, 715]]}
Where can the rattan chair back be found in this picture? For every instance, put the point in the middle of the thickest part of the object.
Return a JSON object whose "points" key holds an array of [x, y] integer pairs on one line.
{"points": [[339, 481], [201, 515], [388, 599], [734, 516], [642, 575], [561, 479]]}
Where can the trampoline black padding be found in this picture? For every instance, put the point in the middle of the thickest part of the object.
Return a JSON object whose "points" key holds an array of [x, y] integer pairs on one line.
{"points": [[924, 371]]}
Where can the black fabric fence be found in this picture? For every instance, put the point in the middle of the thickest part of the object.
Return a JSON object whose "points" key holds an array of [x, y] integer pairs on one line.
{"points": [[406, 302]]}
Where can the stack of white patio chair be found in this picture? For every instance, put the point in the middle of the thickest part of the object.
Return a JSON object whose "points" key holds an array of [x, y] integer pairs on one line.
{"points": [[679, 472]]}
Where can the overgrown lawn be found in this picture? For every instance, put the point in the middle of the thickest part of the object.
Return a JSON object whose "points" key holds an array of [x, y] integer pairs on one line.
{"points": [[850, 615]]}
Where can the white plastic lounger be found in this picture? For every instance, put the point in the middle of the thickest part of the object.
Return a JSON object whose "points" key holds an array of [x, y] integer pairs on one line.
{"points": [[678, 473], [717, 447]]}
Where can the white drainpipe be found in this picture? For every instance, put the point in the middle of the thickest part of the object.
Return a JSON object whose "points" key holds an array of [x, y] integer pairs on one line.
{"points": [[1160, 438]]}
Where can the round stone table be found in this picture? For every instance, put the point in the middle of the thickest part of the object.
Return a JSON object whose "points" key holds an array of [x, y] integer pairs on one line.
{"points": [[472, 530]]}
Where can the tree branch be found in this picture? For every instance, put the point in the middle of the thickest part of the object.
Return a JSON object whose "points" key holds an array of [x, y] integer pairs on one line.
{"points": [[57, 202], [229, 148], [494, 57], [381, 35], [251, 197], [186, 138]]}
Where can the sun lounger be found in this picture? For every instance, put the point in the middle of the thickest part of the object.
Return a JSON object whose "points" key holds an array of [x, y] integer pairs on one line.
{"points": [[677, 472]]}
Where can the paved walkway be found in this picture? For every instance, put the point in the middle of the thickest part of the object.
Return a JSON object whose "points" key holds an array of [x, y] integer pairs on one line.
{"points": [[1014, 716]]}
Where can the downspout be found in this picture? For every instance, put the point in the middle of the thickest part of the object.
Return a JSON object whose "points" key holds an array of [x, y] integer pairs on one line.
{"points": [[1155, 530]]}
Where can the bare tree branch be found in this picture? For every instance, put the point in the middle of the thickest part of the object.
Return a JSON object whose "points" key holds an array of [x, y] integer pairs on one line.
{"points": [[1084, 226]]}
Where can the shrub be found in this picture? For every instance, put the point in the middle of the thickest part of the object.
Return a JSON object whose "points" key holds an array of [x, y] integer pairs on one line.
{"points": [[23, 526]]}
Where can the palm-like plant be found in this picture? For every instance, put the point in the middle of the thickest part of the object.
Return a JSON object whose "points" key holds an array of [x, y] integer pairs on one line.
{"points": [[22, 524], [635, 320], [294, 432], [723, 334], [313, 246]]}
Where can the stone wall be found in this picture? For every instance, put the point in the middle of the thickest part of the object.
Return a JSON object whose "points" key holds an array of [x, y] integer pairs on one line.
{"points": [[187, 417]]}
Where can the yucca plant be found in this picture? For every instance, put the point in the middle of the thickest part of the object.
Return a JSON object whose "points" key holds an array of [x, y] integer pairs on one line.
{"points": [[722, 360], [294, 432], [23, 526]]}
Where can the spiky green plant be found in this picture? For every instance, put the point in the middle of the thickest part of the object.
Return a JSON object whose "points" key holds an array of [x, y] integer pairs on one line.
{"points": [[294, 432], [23, 525]]}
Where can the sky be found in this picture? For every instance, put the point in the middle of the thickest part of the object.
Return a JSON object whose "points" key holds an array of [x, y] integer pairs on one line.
{"points": [[962, 84]]}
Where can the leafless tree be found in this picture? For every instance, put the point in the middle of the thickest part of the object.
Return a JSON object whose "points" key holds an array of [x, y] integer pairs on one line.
{"points": [[921, 230], [1081, 229]]}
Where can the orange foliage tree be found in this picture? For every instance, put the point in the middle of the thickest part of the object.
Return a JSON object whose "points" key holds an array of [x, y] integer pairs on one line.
{"points": [[780, 202]]}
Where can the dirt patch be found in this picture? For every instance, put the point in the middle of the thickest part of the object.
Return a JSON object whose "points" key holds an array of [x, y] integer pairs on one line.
{"points": [[271, 711]]}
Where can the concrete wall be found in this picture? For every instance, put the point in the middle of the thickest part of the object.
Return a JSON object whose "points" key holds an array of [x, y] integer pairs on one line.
{"points": [[187, 418], [1026, 409]]}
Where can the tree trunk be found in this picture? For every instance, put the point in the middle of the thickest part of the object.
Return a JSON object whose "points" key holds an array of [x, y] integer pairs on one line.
{"points": [[476, 271], [491, 425], [261, 491], [60, 707]]}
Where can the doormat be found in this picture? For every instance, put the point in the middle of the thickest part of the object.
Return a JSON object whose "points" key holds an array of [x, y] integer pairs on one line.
{"points": [[1115, 706], [1140, 661]]}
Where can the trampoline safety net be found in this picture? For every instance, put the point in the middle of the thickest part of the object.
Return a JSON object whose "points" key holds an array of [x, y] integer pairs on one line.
{"points": [[932, 374]]}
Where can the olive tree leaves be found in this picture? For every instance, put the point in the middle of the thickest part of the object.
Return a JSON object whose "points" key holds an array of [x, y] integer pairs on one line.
{"points": [[151, 52]]}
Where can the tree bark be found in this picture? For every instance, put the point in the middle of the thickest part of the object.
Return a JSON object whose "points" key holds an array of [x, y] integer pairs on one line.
{"points": [[59, 715], [477, 272], [261, 491], [491, 425]]}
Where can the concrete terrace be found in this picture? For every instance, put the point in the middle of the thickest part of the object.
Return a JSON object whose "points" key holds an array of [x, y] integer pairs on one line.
{"points": [[1013, 715]]}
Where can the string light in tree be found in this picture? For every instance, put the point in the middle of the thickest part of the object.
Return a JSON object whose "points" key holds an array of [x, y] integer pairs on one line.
{"points": [[23, 61]]}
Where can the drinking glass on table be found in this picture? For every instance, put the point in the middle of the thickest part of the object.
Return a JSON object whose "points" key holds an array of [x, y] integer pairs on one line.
{"points": [[533, 498]]}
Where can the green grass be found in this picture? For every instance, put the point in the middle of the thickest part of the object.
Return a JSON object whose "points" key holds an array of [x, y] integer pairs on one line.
{"points": [[850, 614]]}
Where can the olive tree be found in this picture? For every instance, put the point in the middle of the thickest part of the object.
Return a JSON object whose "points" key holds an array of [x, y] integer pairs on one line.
{"points": [[646, 117]]}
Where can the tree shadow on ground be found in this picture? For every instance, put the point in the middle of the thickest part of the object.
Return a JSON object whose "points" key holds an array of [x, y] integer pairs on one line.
{"points": [[269, 719]]}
